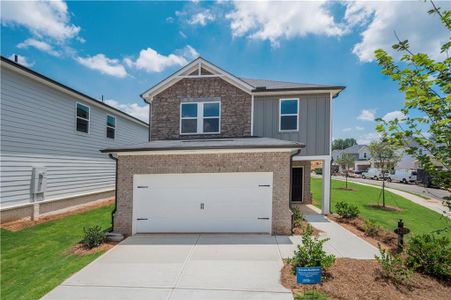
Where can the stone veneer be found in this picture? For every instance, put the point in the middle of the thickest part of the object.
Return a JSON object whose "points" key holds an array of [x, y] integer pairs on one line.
{"points": [[276, 162], [235, 108]]}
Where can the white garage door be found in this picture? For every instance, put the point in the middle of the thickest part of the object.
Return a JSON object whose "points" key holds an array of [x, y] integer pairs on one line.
{"points": [[203, 202]]}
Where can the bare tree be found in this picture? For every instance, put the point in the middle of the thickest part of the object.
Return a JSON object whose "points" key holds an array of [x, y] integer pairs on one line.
{"points": [[346, 160]]}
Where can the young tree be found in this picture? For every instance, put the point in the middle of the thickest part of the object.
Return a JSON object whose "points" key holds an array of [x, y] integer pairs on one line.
{"points": [[346, 160], [340, 144], [425, 129], [385, 155]]}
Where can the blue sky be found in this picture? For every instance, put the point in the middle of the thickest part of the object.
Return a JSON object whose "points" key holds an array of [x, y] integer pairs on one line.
{"points": [[120, 49]]}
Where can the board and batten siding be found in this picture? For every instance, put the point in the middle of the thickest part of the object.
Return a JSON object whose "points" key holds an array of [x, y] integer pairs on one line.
{"points": [[314, 121], [38, 129]]}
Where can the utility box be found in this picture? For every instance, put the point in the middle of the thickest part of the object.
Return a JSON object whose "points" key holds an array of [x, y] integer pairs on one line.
{"points": [[38, 181]]}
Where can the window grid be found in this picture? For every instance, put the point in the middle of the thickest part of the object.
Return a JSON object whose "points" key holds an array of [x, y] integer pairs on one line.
{"points": [[200, 117]]}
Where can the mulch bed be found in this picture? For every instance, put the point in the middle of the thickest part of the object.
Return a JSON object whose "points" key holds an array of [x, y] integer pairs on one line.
{"points": [[25, 223], [346, 189], [386, 207], [80, 249], [356, 279], [299, 230]]}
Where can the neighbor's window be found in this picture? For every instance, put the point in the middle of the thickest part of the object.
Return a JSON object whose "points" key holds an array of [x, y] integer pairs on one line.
{"points": [[82, 118], [200, 117], [289, 114], [110, 126]]}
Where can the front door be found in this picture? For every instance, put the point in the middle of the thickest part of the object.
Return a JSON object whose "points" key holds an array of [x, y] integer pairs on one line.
{"points": [[297, 175]]}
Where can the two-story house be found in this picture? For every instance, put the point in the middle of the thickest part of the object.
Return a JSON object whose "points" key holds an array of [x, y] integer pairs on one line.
{"points": [[360, 153], [50, 137], [227, 154]]}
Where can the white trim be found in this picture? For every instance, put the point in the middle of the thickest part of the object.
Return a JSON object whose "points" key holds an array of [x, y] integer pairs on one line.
{"points": [[206, 151], [107, 126], [296, 92], [330, 124], [199, 76], [288, 115], [252, 115], [200, 117], [77, 117], [311, 157], [303, 185]]}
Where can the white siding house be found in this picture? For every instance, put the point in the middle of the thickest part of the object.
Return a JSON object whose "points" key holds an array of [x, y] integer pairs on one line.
{"points": [[40, 133]]}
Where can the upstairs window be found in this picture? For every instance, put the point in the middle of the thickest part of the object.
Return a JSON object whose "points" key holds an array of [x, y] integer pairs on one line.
{"points": [[288, 114], [200, 117], [110, 126], [83, 112]]}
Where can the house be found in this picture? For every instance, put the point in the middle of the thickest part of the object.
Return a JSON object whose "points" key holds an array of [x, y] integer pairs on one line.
{"points": [[227, 154], [51, 135], [360, 153]]}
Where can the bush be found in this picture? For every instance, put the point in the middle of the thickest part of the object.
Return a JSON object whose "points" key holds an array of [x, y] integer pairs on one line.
{"points": [[430, 254], [311, 295], [346, 211], [393, 267], [94, 236], [311, 254], [297, 217], [318, 171], [371, 228]]}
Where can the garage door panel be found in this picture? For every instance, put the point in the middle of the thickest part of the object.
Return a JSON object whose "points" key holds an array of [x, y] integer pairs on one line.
{"points": [[214, 202]]}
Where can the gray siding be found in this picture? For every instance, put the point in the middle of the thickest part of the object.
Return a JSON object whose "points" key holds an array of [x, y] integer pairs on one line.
{"points": [[38, 129], [314, 121]]}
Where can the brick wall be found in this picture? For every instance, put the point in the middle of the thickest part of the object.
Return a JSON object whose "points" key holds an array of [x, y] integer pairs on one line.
{"points": [[235, 108], [276, 162]]}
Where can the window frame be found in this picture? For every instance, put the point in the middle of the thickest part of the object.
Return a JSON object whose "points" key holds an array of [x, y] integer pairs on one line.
{"points": [[200, 117], [107, 126], [77, 117], [287, 115]]}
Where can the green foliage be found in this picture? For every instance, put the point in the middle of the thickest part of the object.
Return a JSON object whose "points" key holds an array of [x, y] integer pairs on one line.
{"points": [[385, 154], [318, 171], [346, 210], [371, 228], [93, 236], [340, 144], [311, 253], [311, 295], [297, 217], [393, 267], [431, 255], [425, 129]]}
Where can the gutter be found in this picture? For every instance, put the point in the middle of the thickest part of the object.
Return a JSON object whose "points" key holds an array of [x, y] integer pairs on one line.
{"points": [[115, 192]]}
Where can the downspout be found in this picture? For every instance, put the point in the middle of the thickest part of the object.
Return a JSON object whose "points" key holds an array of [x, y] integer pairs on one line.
{"points": [[115, 193]]}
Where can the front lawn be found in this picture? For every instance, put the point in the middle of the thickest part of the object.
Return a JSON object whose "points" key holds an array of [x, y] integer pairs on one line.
{"points": [[35, 260], [416, 217]]}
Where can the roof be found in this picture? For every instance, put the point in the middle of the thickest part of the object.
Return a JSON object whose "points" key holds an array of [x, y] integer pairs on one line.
{"points": [[261, 85], [208, 144], [354, 149], [68, 89]]}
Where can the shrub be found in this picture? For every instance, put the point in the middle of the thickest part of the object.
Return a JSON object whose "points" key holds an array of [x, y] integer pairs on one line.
{"points": [[393, 267], [311, 295], [430, 254], [94, 236], [371, 228], [346, 211], [297, 217], [311, 254]]}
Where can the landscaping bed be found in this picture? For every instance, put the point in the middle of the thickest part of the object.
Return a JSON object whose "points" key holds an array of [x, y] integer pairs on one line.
{"points": [[361, 279]]}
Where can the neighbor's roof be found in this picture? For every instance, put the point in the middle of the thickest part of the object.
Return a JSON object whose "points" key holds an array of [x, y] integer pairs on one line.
{"points": [[261, 85], [67, 89], [354, 149], [207, 144]]}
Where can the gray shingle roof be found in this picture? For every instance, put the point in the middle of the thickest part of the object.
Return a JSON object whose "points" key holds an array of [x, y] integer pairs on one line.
{"points": [[285, 85], [205, 144], [354, 149]]}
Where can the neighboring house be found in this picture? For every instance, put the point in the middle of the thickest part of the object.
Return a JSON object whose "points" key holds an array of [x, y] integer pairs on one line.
{"points": [[228, 154], [361, 154], [51, 137]]}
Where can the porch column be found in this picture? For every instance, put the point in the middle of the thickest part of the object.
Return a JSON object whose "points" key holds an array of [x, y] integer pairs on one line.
{"points": [[326, 187]]}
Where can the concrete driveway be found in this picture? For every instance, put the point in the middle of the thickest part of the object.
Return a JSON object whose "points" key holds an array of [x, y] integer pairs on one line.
{"points": [[183, 267]]}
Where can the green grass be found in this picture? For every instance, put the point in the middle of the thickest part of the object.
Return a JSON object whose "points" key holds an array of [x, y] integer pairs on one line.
{"points": [[416, 217], [33, 260]]}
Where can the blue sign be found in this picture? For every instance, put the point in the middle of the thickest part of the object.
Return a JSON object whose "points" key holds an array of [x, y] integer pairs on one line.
{"points": [[308, 275]]}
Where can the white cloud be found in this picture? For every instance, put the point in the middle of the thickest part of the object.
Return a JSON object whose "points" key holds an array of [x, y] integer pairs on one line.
{"points": [[139, 111], [40, 45], [104, 64], [151, 61], [201, 18], [367, 115], [359, 128], [271, 20], [346, 129], [394, 115], [22, 60], [42, 18], [365, 139], [408, 18], [182, 34]]}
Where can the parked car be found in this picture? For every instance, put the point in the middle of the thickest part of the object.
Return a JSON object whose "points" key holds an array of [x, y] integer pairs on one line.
{"points": [[403, 175], [372, 173]]}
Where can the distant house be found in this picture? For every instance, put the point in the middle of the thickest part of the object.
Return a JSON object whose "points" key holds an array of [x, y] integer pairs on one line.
{"points": [[361, 154], [51, 135]]}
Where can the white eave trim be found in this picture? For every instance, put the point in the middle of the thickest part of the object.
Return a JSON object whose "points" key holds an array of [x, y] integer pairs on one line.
{"points": [[206, 151], [294, 92]]}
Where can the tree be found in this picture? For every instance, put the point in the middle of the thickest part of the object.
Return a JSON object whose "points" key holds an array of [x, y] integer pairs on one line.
{"points": [[425, 129], [340, 144], [346, 160], [384, 155]]}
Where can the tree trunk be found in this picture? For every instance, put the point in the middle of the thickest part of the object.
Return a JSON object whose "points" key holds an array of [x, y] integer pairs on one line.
{"points": [[383, 189]]}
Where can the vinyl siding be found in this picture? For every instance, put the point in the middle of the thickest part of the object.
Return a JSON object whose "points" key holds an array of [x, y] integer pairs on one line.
{"points": [[38, 129], [314, 121]]}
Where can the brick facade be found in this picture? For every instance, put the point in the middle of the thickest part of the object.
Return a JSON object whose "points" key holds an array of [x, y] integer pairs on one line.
{"points": [[276, 162], [235, 108]]}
